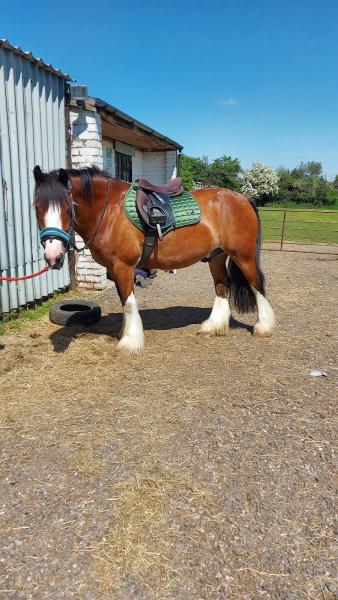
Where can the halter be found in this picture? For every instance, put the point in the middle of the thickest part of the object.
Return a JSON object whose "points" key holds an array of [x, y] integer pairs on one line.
{"points": [[66, 237], [54, 233]]}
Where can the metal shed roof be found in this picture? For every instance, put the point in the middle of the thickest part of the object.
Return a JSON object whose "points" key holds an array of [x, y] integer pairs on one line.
{"points": [[29, 56]]}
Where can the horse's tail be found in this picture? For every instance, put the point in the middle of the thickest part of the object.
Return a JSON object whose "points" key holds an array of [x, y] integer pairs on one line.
{"points": [[241, 296]]}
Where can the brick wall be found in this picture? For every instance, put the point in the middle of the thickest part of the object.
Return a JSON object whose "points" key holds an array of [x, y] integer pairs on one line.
{"points": [[86, 151], [159, 167], [170, 165], [86, 138], [154, 167], [138, 163], [108, 162]]}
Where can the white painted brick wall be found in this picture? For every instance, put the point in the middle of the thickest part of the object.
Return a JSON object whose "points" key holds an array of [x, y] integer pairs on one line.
{"points": [[154, 167], [159, 167], [110, 169], [86, 151], [138, 165], [86, 138], [89, 274], [170, 165]]}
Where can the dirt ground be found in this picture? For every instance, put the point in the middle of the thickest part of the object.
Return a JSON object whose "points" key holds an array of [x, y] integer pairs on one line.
{"points": [[201, 469]]}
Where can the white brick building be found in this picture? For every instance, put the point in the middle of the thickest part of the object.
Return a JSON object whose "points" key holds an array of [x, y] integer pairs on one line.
{"points": [[127, 149]]}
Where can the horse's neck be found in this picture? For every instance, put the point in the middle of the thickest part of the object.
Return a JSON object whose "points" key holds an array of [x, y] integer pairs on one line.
{"points": [[89, 211]]}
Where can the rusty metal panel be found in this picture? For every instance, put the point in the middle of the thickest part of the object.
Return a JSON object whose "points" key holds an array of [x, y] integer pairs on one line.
{"points": [[32, 131], [310, 230]]}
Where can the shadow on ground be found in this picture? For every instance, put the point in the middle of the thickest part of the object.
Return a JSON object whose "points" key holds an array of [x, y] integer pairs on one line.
{"points": [[158, 319]]}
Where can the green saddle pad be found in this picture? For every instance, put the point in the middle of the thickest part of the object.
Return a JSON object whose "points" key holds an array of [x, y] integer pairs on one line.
{"points": [[186, 210]]}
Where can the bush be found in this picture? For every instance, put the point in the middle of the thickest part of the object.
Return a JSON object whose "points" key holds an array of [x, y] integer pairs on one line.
{"points": [[300, 186], [261, 183]]}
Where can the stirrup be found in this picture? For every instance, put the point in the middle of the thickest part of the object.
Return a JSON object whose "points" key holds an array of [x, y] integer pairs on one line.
{"points": [[159, 231]]}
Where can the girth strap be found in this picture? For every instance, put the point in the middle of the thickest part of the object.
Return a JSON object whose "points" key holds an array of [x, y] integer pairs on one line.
{"points": [[148, 247]]}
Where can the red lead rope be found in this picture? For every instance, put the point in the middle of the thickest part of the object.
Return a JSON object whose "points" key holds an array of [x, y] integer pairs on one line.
{"points": [[25, 276]]}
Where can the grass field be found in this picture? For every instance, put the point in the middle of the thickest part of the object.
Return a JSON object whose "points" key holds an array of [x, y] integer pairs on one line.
{"points": [[303, 226]]}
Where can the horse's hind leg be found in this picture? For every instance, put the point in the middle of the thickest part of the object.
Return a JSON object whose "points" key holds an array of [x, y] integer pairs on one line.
{"points": [[218, 322], [266, 320]]}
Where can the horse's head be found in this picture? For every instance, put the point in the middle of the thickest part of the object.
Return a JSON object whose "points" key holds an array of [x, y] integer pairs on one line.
{"points": [[53, 205]]}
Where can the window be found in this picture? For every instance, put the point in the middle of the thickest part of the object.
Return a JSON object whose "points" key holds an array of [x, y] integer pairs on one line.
{"points": [[123, 166], [108, 160]]}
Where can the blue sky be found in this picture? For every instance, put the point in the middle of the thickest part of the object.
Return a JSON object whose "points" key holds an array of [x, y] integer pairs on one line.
{"points": [[254, 79]]}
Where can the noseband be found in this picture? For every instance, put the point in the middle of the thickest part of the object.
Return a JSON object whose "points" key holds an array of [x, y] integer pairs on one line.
{"points": [[67, 237]]}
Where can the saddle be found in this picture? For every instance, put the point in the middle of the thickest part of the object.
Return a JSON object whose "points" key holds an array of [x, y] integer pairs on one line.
{"points": [[153, 205], [173, 187]]}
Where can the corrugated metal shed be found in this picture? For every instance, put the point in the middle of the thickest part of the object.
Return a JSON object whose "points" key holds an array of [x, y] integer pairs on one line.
{"points": [[37, 61], [32, 131]]}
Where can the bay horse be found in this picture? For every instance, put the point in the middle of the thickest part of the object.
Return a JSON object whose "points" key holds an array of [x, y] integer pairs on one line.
{"points": [[227, 236]]}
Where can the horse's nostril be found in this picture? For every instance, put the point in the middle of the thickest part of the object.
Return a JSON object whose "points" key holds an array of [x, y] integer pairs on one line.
{"points": [[59, 261]]}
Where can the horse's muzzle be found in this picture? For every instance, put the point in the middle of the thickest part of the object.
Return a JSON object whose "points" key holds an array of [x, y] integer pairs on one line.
{"points": [[55, 263]]}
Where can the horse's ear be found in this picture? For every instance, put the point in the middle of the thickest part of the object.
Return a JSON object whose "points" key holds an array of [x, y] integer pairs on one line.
{"points": [[63, 177], [38, 175]]}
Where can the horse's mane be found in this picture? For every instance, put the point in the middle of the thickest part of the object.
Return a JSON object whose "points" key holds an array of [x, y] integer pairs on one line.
{"points": [[53, 193], [86, 176]]}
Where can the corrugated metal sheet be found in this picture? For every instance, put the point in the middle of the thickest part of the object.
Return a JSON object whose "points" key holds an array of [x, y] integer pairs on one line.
{"points": [[32, 131], [34, 59]]}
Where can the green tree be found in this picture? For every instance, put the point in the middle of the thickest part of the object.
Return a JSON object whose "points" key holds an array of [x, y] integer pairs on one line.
{"points": [[305, 185], [186, 172], [332, 195], [310, 168], [286, 193], [335, 182], [194, 170], [224, 172]]}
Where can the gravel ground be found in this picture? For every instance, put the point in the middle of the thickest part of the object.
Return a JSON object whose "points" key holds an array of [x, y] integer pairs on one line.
{"points": [[201, 469]]}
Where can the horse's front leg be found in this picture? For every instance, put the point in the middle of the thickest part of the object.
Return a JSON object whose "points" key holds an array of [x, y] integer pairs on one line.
{"points": [[132, 335]]}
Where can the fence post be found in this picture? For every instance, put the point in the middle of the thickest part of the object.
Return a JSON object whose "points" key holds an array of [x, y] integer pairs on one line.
{"points": [[283, 228]]}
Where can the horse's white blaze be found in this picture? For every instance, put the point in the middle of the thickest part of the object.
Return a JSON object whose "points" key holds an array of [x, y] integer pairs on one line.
{"points": [[218, 322], [132, 338], [266, 317], [53, 247]]}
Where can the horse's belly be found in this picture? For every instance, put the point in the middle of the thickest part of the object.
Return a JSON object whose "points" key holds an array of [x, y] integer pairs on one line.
{"points": [[183, 247]]}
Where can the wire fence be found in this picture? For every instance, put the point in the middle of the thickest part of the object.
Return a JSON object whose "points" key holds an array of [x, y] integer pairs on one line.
{"points": [[300, 230]]}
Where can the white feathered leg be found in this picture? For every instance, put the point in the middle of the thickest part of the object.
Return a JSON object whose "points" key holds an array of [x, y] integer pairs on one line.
{"points": [[266, 317], [132, 335], [218, 322]]}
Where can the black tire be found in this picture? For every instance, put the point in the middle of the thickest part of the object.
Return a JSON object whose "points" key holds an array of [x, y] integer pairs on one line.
{"points": [[74, 312]]}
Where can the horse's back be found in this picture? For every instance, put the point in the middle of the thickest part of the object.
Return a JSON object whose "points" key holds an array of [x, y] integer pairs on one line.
{"points": [[231, 210]]}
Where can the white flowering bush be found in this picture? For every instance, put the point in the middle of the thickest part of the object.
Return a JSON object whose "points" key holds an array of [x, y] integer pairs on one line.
{"points": [[260, 182]]}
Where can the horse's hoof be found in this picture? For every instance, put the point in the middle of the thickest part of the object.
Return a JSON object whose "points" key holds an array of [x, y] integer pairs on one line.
{"points": [[203, 333], [259, 331], [213, 331], [129, 346]]}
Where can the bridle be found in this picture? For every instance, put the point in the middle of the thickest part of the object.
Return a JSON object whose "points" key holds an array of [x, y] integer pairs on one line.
{"points": [[67, 237]]}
